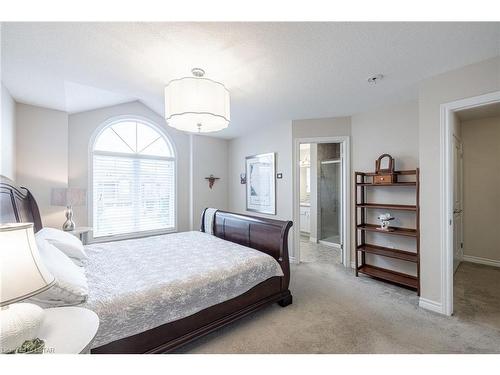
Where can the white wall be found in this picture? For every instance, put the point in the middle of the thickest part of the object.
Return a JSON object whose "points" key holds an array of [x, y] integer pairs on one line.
{"points": [[392, 130], [8, 135], [209, 156], [276, 138], [481, 148], [83, 125], [321, 127], [472, 80], [42, 156]]}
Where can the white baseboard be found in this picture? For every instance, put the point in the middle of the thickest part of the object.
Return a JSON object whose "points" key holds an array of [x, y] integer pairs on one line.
{"points": [[313, 239], [479, 260], [431, 305]]}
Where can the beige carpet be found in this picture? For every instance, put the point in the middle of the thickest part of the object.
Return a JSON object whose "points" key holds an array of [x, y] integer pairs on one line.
{"points": [[335, 312]]}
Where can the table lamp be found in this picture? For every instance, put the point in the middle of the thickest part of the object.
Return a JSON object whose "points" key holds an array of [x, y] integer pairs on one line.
{"points": [[69, 197], [22, 275]]}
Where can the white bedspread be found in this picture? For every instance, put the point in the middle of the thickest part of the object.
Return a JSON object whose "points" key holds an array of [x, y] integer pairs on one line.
{"points": [[136, 285]]}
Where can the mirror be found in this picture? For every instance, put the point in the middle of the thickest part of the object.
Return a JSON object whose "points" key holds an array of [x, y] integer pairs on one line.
{"points": [[385, 163]]}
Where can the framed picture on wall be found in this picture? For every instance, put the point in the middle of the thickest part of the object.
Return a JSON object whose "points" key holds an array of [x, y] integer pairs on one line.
{"points": [[261, 183]]}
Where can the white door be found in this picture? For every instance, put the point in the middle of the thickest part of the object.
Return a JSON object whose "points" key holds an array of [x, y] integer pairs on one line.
{"points": [[458, 243]]}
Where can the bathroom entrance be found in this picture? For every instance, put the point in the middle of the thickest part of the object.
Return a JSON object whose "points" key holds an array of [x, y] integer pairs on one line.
{"points": [[321, 201]]}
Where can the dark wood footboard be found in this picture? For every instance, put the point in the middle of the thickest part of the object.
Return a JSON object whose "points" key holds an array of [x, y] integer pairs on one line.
{"points": [[266, 235], [170, 336]]}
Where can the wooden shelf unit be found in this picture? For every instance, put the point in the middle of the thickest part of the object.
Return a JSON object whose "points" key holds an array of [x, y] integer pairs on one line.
{"points": [[364, 181]]}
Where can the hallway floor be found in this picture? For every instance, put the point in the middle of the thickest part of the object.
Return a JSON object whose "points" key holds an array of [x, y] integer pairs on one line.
{"points": [[332, 239], [477, 294], [315, 252]]}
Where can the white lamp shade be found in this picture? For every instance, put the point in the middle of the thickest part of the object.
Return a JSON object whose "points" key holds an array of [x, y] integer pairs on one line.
{"points": [[197, 105], [22, 272]]}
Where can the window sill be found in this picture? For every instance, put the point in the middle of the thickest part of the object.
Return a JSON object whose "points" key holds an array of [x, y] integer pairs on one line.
{"points": [[130, 236]]}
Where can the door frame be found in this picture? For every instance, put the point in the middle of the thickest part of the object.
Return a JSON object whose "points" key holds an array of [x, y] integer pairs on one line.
{"points": [[346, 194], [446, 192], [459, 168]]}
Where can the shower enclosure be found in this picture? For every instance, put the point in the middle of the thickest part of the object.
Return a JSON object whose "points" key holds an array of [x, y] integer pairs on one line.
{"points": [[330, 194]]}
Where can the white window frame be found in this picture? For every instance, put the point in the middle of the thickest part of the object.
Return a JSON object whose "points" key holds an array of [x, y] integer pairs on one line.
{"points": [[97, 132]]}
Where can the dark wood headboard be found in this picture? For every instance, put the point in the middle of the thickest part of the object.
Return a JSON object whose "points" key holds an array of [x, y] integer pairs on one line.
{"points": [[17, 205], [267, 235]]}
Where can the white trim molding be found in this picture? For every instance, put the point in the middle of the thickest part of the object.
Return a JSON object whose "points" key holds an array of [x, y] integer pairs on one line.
{"points": [[446, 189], [431, 305], [479, 260]]}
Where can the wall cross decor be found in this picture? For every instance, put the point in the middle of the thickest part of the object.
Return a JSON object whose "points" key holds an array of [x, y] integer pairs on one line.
{"points": [[211, 180]]}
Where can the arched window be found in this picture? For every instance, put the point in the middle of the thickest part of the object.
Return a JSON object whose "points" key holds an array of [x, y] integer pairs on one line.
{"points": [[133, 180]]}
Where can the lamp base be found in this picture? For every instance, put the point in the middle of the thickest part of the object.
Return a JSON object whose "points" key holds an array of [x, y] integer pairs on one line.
{"points": [[69, 224], [19, 322]]}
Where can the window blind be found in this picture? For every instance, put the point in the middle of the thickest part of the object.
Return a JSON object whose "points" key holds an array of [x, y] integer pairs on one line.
{"points": [[132, 194]]}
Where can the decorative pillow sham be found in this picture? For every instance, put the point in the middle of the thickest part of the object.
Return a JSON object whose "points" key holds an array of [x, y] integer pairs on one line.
{"points": [[67, 243], [70, 286]]}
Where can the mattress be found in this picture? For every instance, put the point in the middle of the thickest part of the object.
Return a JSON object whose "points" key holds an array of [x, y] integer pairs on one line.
{"points": [[136, 285]]}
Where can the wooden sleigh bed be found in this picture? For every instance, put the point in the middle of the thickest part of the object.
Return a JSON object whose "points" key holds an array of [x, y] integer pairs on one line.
{"points": [[269, 236]]}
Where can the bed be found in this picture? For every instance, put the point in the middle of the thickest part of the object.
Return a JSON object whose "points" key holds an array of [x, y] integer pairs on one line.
{"points": [[195, 284]]}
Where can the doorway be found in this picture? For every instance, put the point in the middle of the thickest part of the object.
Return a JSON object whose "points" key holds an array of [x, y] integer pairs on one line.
{"points": [[321, 200], [470, 204]]}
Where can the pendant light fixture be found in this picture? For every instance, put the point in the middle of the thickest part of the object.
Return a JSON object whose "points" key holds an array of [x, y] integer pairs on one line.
{"points": [[197, 104]]}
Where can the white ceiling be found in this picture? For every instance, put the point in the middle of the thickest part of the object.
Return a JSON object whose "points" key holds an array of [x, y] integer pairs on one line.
{"points": [[274, 71]]}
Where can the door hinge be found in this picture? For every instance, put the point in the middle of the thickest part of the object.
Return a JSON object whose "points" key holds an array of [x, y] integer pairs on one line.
{"points": [[461, 245]]}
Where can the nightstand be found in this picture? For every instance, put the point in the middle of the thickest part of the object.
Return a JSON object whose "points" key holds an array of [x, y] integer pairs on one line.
{"points": [[68, 330], [81, 232]]}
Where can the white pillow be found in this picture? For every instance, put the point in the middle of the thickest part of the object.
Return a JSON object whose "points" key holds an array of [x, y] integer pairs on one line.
{"points": [[70, 286], [67, 243]]}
